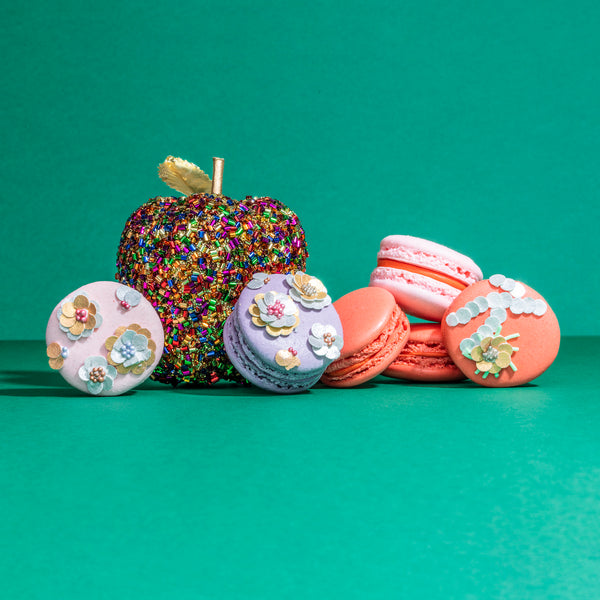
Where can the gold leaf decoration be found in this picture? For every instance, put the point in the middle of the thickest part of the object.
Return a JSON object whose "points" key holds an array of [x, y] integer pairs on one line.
{"points": [[184, 176], [287, 358], [54, 353]]}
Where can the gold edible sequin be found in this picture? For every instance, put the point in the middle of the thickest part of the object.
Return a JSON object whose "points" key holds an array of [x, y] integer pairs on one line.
{"points": [[54, 353]]}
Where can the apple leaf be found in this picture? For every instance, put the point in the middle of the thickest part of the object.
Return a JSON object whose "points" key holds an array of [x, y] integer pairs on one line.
{"points": [[184, 176]]}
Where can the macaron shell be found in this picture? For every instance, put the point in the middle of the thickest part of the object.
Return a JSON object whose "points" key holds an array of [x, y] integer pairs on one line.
{"points": [[373, 359], [509, 311], [111, 315], [258, 372], [425, 253], [364, 314], [434, 366], [253, 348], [417, 293]]}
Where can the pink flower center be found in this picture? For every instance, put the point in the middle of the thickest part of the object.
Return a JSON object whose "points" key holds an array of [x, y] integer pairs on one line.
{"points": [[81, 314], [292, 351], [125, 305], [276, 309]]}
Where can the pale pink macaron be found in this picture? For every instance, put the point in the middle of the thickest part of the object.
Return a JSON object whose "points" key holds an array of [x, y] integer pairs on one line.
{"points": [[423, 276], [104, 338], [375, 331]]}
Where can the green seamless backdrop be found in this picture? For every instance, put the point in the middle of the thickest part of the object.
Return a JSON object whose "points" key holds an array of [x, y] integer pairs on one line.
{"points": [[473, 124]]}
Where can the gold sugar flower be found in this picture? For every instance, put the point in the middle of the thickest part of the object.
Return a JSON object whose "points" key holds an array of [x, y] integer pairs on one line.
{"points": [[79, 317], [308, 290], [492, 355], [57, 355], [287, 358]]}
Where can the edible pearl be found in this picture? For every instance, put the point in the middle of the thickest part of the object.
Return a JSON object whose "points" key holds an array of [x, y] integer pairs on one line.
{"points": [[491, 354], [97, 375]]}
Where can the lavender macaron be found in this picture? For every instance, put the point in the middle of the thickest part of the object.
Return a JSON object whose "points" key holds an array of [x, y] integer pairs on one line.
{"points": [[283, 332]]}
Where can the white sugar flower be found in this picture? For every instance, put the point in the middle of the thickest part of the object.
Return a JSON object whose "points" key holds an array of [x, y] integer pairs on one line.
{"points": [[308, 290], [258, 280], [277, 312], [325, 341], [128, 297]]}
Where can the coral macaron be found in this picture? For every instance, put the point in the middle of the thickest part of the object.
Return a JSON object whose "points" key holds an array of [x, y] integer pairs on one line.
{"points": [[375, 331], [501, 333], [423, 276], [283, 332], [424, 358]]}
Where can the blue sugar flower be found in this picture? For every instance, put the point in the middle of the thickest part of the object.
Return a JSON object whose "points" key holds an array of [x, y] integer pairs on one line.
{"points": [[97, 374]]}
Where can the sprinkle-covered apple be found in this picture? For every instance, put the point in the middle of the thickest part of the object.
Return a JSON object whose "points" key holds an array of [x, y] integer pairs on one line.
{"points": [[191, 257]]}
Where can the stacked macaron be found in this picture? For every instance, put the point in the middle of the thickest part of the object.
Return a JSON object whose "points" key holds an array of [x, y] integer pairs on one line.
{"points": [[501, 333], [375, 331], [475, 322], [283, 332], [424, 278], [190, 259]]}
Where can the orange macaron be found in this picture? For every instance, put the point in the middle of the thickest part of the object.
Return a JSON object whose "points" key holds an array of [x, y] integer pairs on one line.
{"points": [[501, 333], [375, 331], [424, 358]]}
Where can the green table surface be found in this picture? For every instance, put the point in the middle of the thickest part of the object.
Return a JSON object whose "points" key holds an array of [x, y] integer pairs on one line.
{"points": [[390, 490]]}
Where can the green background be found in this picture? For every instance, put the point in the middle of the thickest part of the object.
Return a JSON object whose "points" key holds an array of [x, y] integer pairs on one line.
{"points": [[475, 124], [386, 491]]}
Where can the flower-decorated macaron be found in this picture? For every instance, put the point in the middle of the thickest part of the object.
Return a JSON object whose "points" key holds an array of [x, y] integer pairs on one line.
{"points": [[115, 347], [501, 333], [283, 332]]}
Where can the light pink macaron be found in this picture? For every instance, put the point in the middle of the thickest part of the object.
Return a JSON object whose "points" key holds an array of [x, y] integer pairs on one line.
{"points": [[423, 276], [104, 338]]}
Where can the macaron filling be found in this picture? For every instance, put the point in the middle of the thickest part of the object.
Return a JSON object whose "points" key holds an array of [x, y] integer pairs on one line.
{"points": [[377, 352], [417, 252], [431, 355], [404, 266]]}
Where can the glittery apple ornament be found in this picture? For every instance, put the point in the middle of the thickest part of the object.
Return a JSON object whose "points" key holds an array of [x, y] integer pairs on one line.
{"points": [[192, 256]]}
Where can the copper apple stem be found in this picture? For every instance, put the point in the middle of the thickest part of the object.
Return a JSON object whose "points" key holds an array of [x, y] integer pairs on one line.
{"points": [[217, 181]]}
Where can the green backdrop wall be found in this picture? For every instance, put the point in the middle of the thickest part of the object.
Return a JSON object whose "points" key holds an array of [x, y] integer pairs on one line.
{"points": [[474, 124]]}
